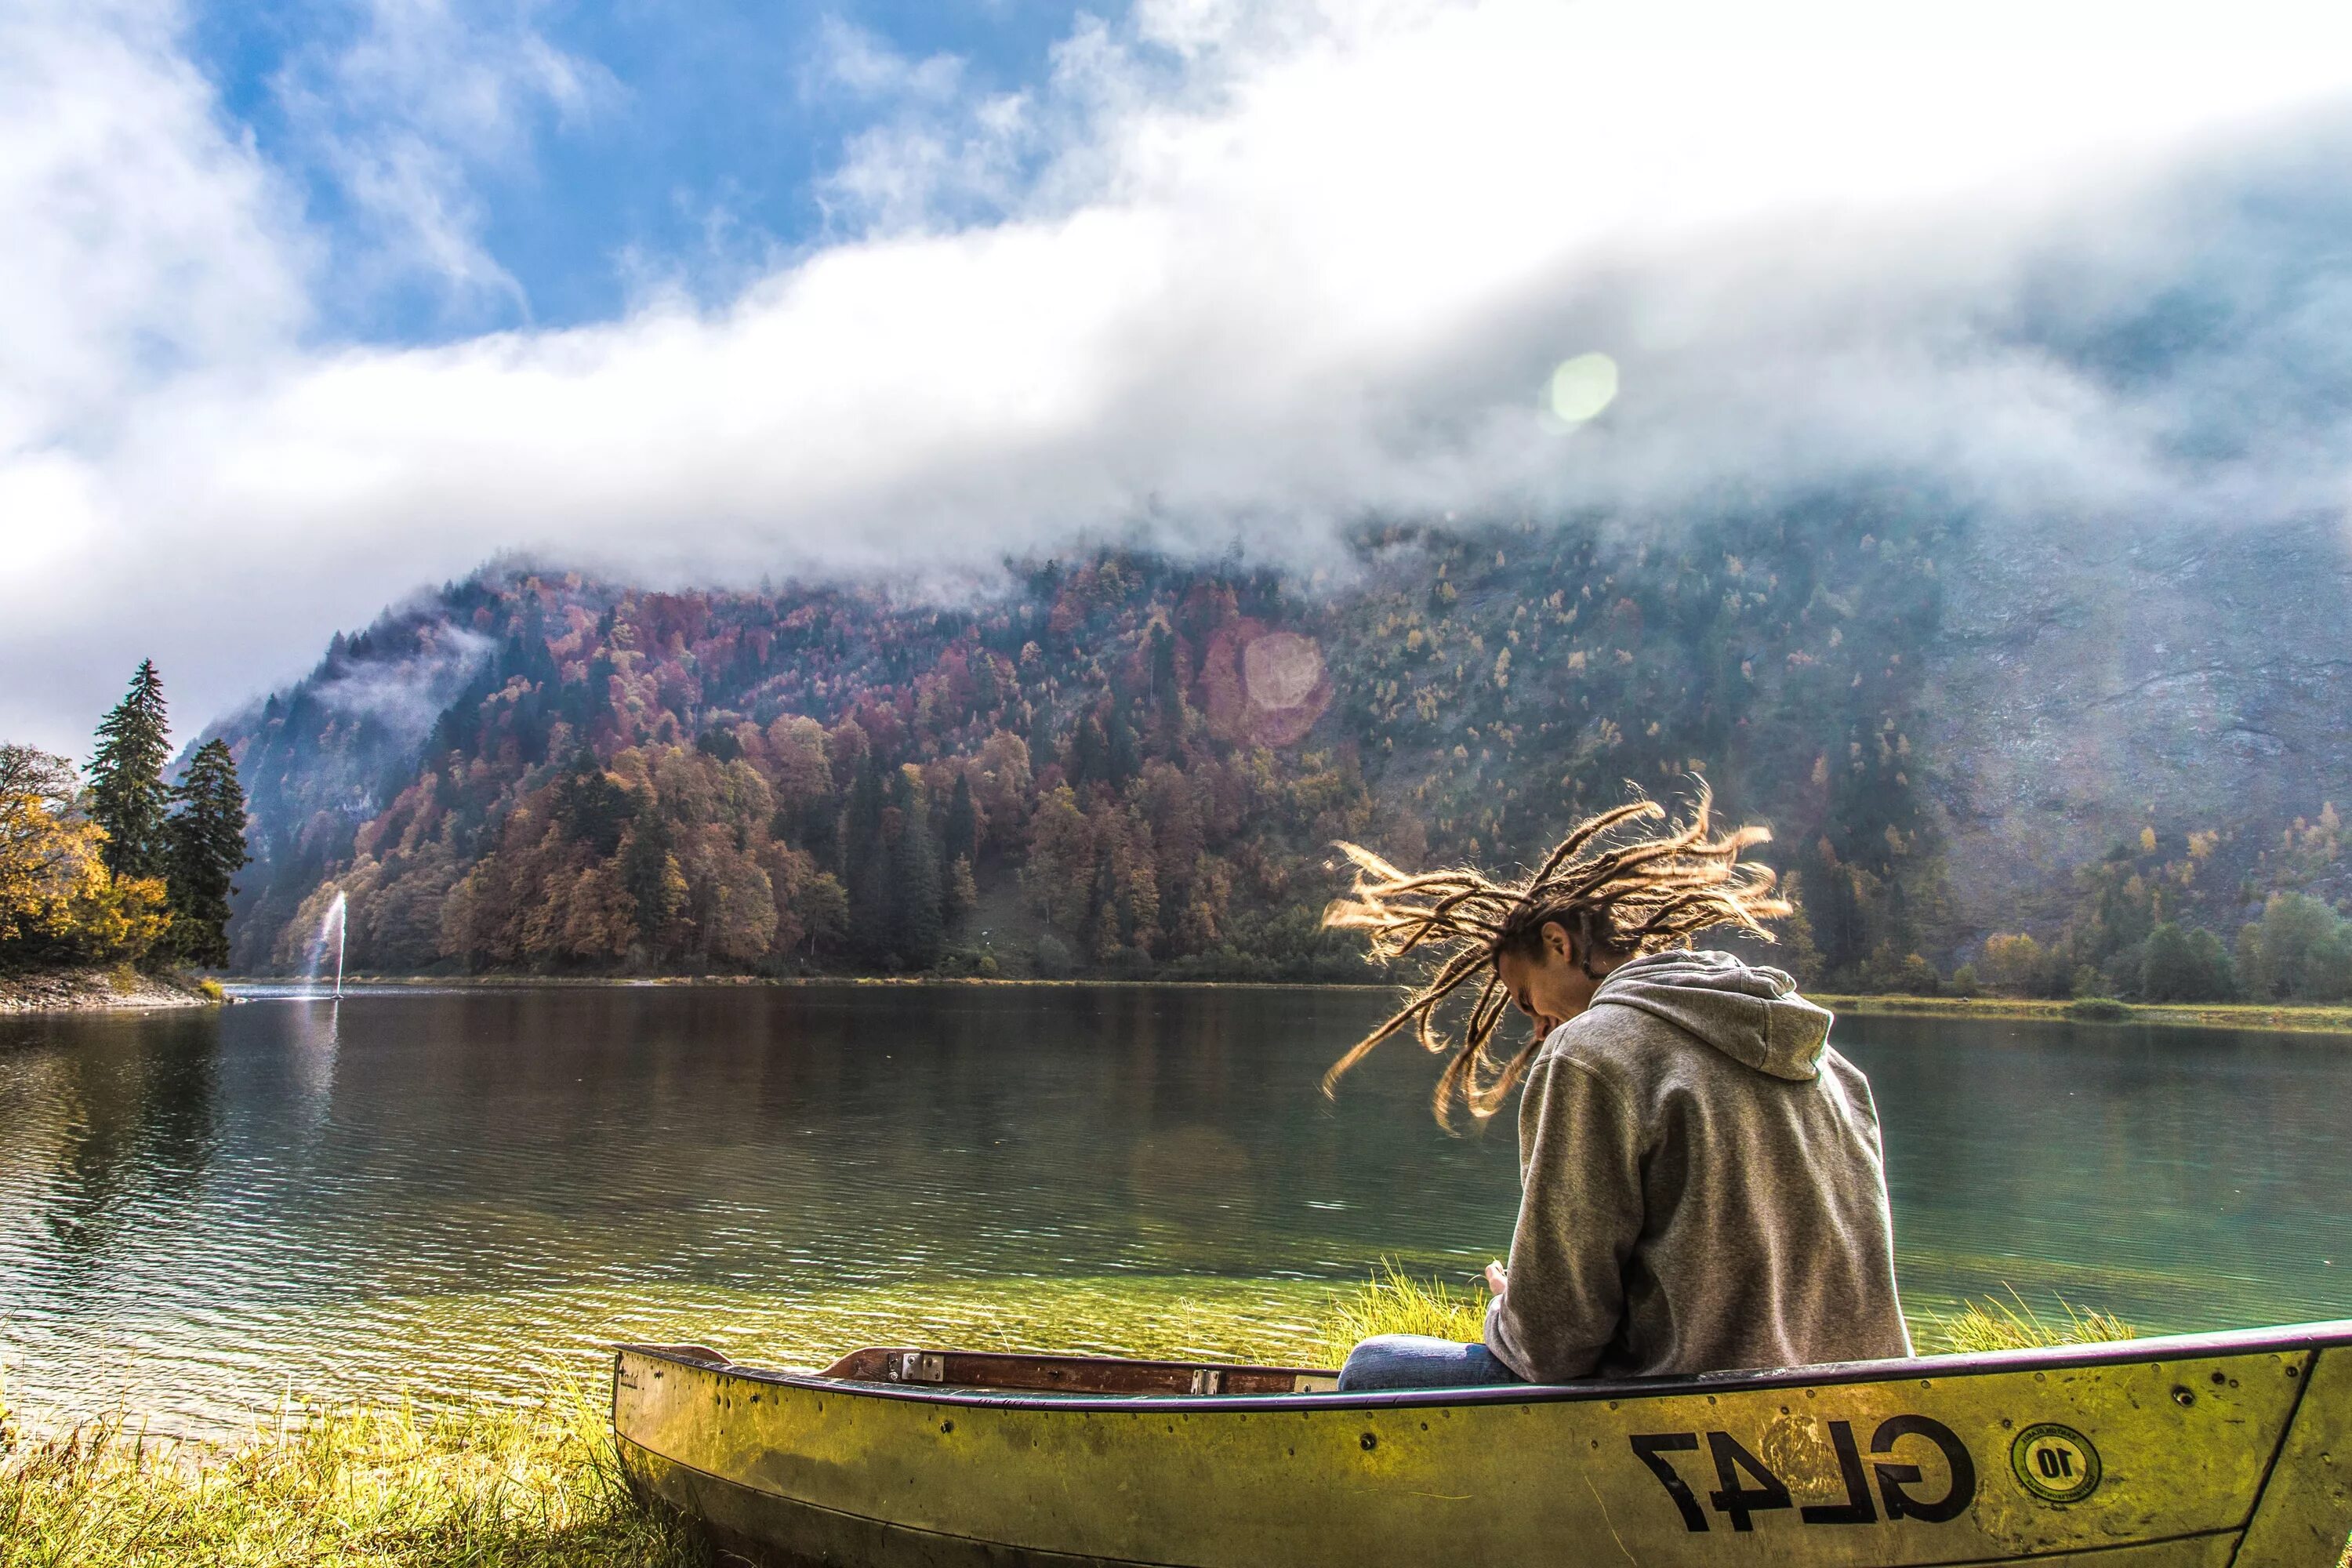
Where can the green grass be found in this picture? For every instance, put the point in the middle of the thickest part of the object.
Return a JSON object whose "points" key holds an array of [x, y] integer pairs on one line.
{"points": [[482, 1486], [1394, 1302], [479, 1484], [2013, 1325], [2292, 1017]]}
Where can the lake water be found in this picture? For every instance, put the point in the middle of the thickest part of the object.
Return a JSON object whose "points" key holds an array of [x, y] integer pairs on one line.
{"points": [[417, 1191]]}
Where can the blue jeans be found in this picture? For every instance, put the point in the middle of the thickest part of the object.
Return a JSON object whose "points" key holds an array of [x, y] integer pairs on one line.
{"points": [[1418, 1361]]}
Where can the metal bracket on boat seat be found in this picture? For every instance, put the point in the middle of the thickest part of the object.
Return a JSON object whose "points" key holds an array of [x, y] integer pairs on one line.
{"points": [[918, 1366], [1208, 1380]]}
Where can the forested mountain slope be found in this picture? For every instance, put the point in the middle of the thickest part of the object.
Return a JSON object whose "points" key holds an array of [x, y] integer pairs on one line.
{"points": [[1126, 764]]}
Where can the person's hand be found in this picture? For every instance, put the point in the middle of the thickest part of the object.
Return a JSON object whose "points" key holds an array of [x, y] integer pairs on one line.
{"points": [[1497, 1277]]}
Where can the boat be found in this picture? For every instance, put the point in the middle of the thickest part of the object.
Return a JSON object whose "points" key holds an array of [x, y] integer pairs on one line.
{"points": [[2230, 1450]]}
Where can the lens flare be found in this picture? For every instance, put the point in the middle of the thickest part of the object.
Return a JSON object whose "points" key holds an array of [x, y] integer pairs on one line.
{"points": [[1581, 388]]}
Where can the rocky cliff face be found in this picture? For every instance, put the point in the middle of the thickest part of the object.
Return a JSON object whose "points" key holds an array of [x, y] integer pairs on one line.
{"points": [[2087, 683]]}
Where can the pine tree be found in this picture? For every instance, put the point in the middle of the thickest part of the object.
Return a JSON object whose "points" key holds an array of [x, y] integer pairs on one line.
{"points": [[589, 807], [208, 849], [960, 894], [127, 793], [1089, 753], [962, 841], [1042, 747], [650, 873], [1120, 763], [866, 860], [1167, 693], [917, 929], [1163, 668]]}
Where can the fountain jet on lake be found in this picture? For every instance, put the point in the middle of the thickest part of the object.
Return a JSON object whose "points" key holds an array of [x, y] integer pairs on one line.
{"points": [[334, 919]]}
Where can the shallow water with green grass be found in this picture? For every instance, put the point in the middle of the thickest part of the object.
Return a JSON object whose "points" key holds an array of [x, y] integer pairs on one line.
{"points": [[433, 1192]]}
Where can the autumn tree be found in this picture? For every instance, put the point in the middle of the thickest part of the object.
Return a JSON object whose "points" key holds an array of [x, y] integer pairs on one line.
{"points": [[2015, 964], [128, 797], [808, 807], [46, 850], [1060, 873], [1060, 743], [59, 902]]}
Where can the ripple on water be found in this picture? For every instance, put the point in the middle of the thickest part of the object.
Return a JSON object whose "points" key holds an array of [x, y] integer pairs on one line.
{"points": [[424, 1193]]}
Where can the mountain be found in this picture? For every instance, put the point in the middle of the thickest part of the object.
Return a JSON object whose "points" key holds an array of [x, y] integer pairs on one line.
{"points": [[1130, 764]]}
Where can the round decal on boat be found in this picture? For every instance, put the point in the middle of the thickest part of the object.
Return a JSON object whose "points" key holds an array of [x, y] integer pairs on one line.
{"points": [[2056, 1464]]}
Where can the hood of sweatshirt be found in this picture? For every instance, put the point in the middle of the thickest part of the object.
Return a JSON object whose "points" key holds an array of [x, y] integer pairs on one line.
{"points": [[1750, 1012]]}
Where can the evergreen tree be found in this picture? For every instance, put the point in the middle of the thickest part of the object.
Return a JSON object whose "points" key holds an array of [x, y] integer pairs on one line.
{"points": [[1835, 910], [962, 840], [207, 850], [589, 807], [2180, 965], [1167, 693], [818, 829], [1163, 668], [127, 793], [649, 872], [1104, 938], [1042, 744], [917, 929], [960, 893], [865, 860], [1089, 753], [1120, 763]]}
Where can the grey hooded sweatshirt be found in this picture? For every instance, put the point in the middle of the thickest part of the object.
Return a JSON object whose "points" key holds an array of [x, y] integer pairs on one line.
{"points": [[1702, 1186]]}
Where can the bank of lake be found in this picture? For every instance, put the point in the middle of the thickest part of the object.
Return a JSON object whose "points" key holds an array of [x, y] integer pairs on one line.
{"points": [[94, 989], [2295, 1017]]}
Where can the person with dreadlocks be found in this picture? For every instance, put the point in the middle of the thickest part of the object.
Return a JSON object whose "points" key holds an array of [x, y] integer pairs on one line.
{"points": [[1702, 1183]]}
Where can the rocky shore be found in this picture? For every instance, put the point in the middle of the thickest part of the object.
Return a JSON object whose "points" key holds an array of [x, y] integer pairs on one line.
{"points": [[99, 990]]}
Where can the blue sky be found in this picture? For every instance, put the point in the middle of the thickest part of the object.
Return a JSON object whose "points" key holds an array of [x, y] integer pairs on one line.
{"points": [[690, 155], [305, 308]]}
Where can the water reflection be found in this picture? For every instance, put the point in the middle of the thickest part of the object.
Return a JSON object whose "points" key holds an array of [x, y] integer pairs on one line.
{"points": [[314, 1044], [127, 1123], [2187, 1177], [415, 1189]]}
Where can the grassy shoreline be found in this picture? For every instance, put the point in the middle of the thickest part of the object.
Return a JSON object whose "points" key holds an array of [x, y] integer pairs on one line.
{"points": [[2285, 1017], [2290, 1019], [482, 1482], [787, 982], [538, 1487]]}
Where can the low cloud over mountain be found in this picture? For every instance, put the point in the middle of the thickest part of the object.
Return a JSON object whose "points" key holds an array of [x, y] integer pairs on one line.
{"points": [[1223, 274]]}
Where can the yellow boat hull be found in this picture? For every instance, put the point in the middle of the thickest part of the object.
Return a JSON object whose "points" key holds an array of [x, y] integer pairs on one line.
{"points": [[2219, 1451]]}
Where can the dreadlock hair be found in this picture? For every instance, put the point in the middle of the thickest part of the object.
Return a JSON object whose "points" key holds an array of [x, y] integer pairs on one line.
{"points": [[1618, 893]]}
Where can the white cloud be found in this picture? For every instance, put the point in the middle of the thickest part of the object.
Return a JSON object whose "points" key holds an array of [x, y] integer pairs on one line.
{"points": [[406, 691], [849, 57], [141, 238], [403, 116], [1238, 270]]}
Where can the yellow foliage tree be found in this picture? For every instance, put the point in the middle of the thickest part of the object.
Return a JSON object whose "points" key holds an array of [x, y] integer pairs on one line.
{"points": [[59, 904]]}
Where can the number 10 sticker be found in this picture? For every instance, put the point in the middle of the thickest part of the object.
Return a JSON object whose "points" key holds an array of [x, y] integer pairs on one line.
{"points": [[2056, 1464]]}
